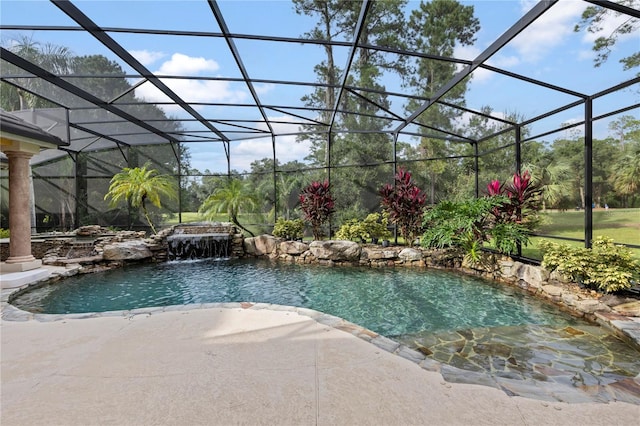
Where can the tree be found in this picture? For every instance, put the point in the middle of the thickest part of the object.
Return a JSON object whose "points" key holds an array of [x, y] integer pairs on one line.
{"points": [[232, 198], [554, 179], [593, 18], [358, 134], [436, 28], [327, 13], [139, 184], [625, 177], [53, 58]]}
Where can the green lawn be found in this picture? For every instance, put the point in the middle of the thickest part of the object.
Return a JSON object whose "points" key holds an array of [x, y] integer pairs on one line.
{"points": [[623, 225]]}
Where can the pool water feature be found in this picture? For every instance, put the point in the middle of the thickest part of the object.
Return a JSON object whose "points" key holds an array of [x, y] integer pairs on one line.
{"points": [[483, 332]]}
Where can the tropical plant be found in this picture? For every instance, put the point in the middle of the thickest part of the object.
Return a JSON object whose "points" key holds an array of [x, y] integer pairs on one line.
{"points": [[317, 205], [523, 200], [138, 185], [232, 198], [462, 224], [404, 203], [606, 266], [553, 180], [288, 228]]}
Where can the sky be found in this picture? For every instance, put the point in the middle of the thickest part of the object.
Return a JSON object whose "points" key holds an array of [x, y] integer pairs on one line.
{"points": [[549, 50]]}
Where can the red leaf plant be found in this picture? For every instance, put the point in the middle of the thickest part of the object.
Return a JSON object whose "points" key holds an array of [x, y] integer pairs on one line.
{"points": [[317, 205], [405, 204], [524, 200]]}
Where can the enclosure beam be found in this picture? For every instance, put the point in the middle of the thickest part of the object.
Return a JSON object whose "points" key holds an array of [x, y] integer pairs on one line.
{"points": [[81, 188], [477, 168], [65, 85], [236, 56], [518, 132], [366, 4], [588, 172], [99, 33], [275, 185]]}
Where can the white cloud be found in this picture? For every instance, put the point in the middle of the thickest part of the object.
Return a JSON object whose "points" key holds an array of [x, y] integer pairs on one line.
{"points": [[262, 89], [243, 153], [188, 89], [147, 57], [468, 53], [181, 64], [548, 31]]}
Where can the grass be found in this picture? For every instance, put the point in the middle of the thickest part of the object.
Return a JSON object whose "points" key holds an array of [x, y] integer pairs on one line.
{"points": [[623, 225]]}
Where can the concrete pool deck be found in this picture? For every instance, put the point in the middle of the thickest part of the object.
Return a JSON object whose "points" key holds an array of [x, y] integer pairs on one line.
{"points": [[242, 364]]}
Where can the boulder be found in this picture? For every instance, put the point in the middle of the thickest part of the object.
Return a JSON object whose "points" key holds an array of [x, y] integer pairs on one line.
{"points": [[534, 276], [589, 306], [336, 250], [294, 248], [375, 253], [261, 245], [552, 290], [126, 250], [410, 255]]}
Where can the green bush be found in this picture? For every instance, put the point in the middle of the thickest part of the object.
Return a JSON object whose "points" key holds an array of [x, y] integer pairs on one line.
{"points": [[4, 233], [606, 266], [289, 229], [352, 229], [468, 224], [374, 227]]}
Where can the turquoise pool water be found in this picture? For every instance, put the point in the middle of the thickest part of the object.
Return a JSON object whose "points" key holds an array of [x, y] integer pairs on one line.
{"points": [[391, 302]]}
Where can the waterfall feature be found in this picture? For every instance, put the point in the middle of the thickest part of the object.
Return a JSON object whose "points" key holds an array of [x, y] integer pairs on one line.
{"points": [[199, 246]]}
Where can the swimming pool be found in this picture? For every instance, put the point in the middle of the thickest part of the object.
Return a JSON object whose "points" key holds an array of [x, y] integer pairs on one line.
{"points": [[484, 332], [391, 302]]}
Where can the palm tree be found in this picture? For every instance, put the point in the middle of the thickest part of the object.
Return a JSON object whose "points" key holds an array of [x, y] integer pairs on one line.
{"points": [[138, 185], [626, 173], [231, 198], [53, 58], [554, 179]]}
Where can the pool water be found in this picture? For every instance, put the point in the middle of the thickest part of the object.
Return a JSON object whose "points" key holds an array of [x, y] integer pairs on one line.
{"points": [[391, 302]]}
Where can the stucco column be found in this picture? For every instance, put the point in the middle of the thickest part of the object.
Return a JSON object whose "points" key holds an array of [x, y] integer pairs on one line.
{"points": [[19, 207]]}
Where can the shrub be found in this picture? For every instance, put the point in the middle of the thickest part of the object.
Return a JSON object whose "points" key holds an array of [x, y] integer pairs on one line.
{"points": [[606, 266], [289, 229], [404, 203], [353, 229], [374, 226], [469, 224], [317, 205], [4, 233]]}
